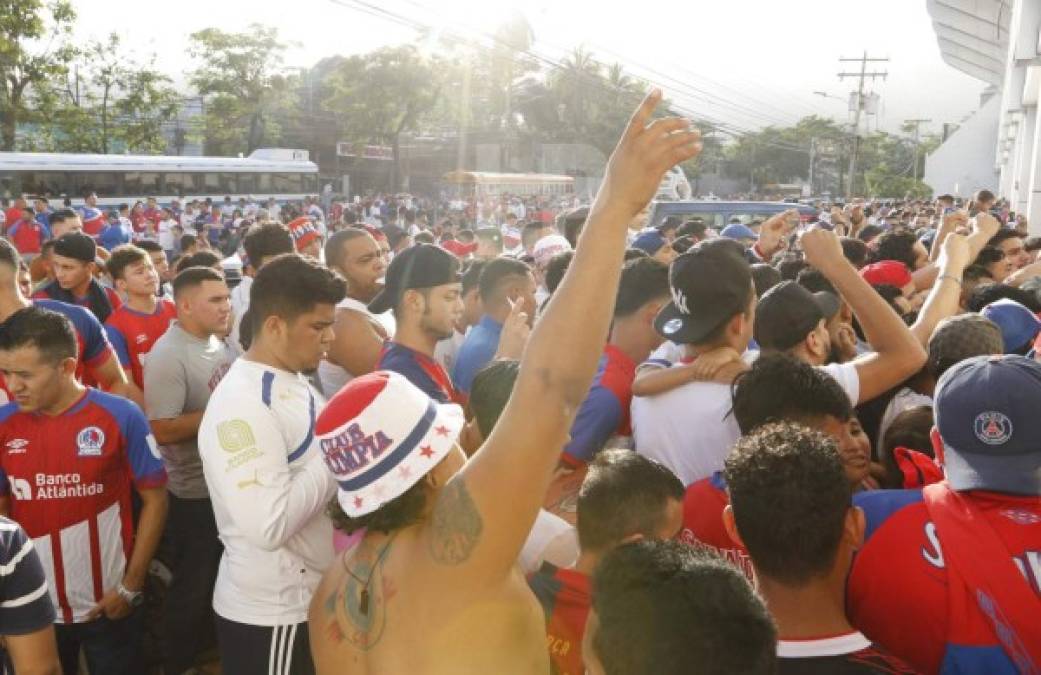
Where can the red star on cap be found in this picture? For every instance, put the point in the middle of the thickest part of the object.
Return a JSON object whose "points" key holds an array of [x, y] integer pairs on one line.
{"points": [[426, 451], [357, 502], [404, 471], [441, 430]]}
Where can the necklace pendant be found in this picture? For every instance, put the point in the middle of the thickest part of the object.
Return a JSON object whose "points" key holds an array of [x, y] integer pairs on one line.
{"points": [[363, 604]]}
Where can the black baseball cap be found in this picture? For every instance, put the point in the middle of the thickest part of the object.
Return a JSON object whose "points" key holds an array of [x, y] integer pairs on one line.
{"points": [[77, 246], [420, 266], [710, 283], [788, 312]]}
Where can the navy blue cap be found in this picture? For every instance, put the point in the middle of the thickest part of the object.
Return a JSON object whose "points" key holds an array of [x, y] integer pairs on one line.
{"points": [[987, 415], [649, 241], [1019, 326], [737, 231]]}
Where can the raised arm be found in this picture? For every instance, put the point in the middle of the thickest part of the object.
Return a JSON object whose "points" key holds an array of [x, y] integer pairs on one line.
{"points": [[897, 355], [942, 301], [485, 512]]}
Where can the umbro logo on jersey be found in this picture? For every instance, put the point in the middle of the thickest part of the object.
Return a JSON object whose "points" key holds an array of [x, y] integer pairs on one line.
{"points": [[17, 446], [141, 339]]}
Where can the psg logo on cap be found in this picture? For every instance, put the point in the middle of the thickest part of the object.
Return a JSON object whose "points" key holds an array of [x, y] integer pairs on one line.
{"points": [[993, 428]]}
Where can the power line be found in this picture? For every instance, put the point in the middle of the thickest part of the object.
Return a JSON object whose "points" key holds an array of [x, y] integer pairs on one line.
{"points": [[861, 76]]}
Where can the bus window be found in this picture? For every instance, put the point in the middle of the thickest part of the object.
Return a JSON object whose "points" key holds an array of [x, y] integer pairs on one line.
{"points": [[263, 184], [210, 184], [194, 183], [310, 183], [51, 183], [10, 185], [286, 183], [140, 183], [247, 183], [176, 184], [227, 183]]}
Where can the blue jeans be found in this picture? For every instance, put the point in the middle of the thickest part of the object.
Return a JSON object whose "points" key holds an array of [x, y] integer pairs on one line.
{"points": [[111, 647]]}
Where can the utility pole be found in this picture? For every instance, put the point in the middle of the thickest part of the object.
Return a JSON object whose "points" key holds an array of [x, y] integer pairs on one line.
{"points": [[813, 153], [862, 75], [917, 123]]}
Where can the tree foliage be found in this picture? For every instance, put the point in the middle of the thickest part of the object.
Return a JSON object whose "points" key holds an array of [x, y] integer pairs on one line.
{"points": [[35, 47]]}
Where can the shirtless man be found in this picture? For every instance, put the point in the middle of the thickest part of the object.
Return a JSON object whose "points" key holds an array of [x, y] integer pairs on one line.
{"points": [[432, 587]]}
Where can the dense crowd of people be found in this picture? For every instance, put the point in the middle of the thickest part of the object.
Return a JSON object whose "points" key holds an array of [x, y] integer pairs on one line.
{"points": [[527, 436]]}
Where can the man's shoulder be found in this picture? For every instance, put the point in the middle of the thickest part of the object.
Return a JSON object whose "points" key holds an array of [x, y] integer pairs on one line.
{"points": [[880, 506]]}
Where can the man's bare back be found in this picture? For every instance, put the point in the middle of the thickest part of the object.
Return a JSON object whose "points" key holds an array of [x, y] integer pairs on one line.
{"points": [[428, 620]]}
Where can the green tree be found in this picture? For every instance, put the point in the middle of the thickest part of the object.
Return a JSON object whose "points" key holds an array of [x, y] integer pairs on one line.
{"points": [[107, 102], [383, 94], [34, 47], [244, 85]]}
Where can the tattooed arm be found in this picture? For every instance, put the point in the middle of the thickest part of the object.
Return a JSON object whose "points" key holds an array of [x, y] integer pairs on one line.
{"points": [[485, 512]]}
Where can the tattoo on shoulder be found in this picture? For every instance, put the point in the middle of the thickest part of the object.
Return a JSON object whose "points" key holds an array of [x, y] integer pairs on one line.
{"points": [[455, 525]]}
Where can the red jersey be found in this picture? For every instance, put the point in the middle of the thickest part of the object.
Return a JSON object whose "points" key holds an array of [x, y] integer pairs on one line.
{"points": [[605, 411], [565, 598], [114, 300], [420, 370], [133, 334], [93, 348], [93, 220], [703, 506], [69, 479], [27, 237], [897, 590]]}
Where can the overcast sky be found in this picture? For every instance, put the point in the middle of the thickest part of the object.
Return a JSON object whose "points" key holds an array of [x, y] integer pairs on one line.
{"points": [[747, 63]]}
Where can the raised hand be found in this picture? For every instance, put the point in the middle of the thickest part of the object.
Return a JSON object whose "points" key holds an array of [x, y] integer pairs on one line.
{"points": [[515, 332], [774, 231], [645, 152], [821, 248]]}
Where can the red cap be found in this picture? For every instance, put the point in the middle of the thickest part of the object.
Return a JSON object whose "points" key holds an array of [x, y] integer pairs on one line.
{"points": [[887, 273], [458, 248]]}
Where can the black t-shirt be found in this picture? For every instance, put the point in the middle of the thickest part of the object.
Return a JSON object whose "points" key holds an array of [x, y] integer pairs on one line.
{"points": [[851, 654]]}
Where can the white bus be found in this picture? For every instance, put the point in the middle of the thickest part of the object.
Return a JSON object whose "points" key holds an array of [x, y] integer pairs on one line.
{"points": [[483, 183], [285, 175]]}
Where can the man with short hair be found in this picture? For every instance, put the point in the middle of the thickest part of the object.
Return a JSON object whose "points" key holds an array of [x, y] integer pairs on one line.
{"points": [[642, 291], [70, 458], [489, 243], [161, 265], [93, 218], [664, 608], [777, 388], [532, 232], [261, 243], [504, 282], [97, 362], [443, 532], [265, 475], [134, 327], [422, 288], [183, 369], [28, 234], [64, 221], [624, 498], [74, 265], [791, 508], [944, 580], [360, 335]]}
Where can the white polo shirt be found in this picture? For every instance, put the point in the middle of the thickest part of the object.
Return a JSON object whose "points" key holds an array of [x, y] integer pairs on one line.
{"points": [[691, 429]]}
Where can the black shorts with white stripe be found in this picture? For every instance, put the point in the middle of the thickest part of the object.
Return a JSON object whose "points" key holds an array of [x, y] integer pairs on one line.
{"points": [[264, 650]]}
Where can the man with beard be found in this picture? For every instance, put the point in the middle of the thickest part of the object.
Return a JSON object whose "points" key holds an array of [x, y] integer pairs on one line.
{"points": [[423, 289]]}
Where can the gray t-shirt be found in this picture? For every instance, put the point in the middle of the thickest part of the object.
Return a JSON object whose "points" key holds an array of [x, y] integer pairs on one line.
{"points": [[181, 372]]}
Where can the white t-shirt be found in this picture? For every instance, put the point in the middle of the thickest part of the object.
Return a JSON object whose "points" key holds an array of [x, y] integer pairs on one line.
{"points": [[552, 539], [166, 234], [269, 487], [691, 429], [332, 376], [448, 349]]}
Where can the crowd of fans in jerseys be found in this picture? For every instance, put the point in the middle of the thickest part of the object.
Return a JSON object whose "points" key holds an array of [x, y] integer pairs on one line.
{"points": [[516, 435]]}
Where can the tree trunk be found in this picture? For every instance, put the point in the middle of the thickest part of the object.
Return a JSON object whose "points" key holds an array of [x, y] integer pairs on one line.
{"points": [[396, 145], [8, 123], [254, 127]]}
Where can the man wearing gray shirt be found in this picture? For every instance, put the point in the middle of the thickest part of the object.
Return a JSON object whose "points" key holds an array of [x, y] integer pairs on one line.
{"points": [[181, 371]]}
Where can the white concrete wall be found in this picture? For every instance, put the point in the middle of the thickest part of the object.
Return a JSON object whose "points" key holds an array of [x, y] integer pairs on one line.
{"points": [[965, 162]]}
